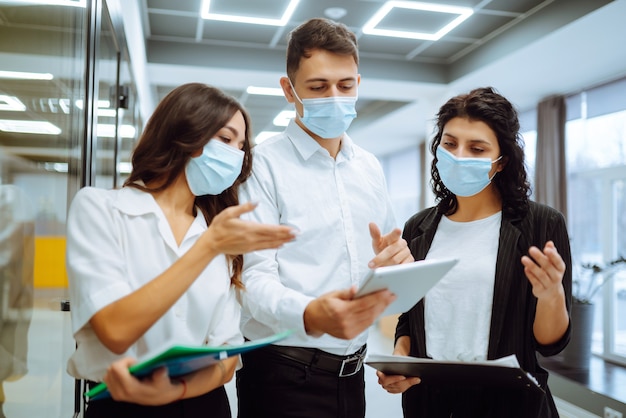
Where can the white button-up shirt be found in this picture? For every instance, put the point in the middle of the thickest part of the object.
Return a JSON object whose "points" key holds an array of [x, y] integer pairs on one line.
{"points": [[117, 241], [331, 202]]}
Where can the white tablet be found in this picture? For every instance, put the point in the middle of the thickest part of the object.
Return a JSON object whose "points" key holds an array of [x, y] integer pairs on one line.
{"points": [[409, 282]]}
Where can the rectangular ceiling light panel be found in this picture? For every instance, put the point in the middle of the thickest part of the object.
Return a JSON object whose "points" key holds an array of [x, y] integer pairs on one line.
{"points": [[462, 13], [21, 75], [72, 3], [283, 118], [11, 104], [265, 91], [206, 13], [29, 127]]}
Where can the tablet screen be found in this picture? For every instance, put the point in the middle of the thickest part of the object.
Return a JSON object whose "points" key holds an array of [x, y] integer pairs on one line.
{"points": [[409, 282]]}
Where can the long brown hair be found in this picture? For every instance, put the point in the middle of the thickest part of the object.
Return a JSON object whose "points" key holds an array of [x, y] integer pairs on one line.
{"points": [[184, 122]]}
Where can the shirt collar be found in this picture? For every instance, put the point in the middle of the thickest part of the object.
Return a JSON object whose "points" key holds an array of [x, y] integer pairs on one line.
{"points": [[307, 146], [133, 201]]}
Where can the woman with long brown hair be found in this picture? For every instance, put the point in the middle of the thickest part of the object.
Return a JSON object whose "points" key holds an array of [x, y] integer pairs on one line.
{"points": [[159, 260]]}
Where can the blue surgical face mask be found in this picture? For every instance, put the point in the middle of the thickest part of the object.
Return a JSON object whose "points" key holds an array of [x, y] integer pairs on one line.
{"points": [[215, 170], [463, 176], [327, 117]]}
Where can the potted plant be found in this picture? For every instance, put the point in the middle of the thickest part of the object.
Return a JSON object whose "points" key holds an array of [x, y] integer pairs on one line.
{"points": [[585, 286]]}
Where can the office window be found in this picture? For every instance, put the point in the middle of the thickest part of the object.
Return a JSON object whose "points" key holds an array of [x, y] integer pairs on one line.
{"points": [[528, 130], [402, 172], [530, 151], [596, 183]]}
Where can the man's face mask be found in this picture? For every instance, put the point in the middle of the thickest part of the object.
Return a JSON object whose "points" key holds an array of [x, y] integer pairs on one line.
{"points": [[327, 117]]}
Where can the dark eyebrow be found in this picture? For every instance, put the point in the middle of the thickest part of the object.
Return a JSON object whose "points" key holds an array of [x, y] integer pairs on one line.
{"points": [[233, 130], [480, 141], [317, 80], [473, 141]]}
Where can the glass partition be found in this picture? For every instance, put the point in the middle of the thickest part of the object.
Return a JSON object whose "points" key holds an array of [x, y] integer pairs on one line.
{"points": [[42, 73], [68, 118], [129, 122], [106, 111]]}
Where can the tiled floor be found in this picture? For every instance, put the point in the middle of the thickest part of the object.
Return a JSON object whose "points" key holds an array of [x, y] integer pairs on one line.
{"points": [[46, 391]]}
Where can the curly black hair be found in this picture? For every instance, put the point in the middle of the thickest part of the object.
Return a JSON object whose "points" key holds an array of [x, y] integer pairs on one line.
{"points": [[488, 106]]}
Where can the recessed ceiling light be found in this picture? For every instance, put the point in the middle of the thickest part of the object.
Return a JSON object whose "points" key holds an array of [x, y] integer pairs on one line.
{"points": [[283, 118], [73, 3], [58, 167], [106, 113], [371, 29], [265, 91], [124, 167], [263, 135], [101, 104], [106, 130], [11, 104], [64, 104], [335, 12], [29, 127], [21, 75], [206, 14]]}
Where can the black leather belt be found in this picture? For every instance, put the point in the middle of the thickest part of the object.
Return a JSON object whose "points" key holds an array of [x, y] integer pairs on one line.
{"points": [[342, 366]]}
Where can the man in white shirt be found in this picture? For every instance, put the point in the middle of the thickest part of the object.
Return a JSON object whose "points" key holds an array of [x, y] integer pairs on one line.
{"points": [[314, 178]]}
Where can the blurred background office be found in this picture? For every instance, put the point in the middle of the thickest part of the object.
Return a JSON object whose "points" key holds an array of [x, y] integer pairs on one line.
{"points": [[78, 78]]}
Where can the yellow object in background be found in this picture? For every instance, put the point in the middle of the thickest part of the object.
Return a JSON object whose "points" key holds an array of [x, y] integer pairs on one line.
{"points": [[388, 324], [50, 262]]}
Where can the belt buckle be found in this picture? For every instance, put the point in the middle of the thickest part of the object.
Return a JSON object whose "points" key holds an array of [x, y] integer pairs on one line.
{"points": [[351, 366]]}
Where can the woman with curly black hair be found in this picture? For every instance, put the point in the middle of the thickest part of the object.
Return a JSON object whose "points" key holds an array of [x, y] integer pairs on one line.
{"points": [[510, 291]]}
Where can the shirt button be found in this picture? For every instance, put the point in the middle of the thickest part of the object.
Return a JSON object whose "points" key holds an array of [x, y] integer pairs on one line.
{"points": [[178, 311]]}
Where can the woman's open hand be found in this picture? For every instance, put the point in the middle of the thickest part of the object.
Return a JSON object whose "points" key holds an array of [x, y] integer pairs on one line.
{"points": [[545, 271], [229, 234]]}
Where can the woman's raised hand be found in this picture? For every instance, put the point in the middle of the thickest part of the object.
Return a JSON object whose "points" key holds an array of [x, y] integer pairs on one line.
{"points": [[229, 234]]}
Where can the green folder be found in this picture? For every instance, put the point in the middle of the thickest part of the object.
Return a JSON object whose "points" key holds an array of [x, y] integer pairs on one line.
{"points": [[181, 360]]}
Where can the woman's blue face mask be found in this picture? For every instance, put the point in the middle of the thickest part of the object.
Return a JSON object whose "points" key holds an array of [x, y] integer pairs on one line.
{"points": [[215, 170], [463, 176]]}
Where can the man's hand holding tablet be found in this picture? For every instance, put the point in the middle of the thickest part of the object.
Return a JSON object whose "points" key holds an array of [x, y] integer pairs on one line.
{"points": [[410, 281]]}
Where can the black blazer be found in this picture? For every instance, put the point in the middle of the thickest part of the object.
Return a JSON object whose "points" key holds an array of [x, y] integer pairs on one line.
{"points": [[513, 314]]}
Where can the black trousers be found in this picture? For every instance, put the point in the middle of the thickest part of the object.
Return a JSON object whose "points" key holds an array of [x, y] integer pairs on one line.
{"points": [[213, 404], [472, 402], [269, 385]]}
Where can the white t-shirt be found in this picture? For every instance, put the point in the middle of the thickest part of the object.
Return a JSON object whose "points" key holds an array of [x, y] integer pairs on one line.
{"points": [[330, 201], [117, 241], [458, 308]]}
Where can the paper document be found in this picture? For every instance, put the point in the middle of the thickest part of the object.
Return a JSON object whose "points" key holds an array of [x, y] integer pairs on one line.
{"points": [[502, 372], [409, 282], [181, 360]]}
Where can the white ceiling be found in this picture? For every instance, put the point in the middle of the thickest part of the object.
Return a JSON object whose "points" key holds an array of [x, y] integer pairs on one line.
{"points": [[527, 49]]}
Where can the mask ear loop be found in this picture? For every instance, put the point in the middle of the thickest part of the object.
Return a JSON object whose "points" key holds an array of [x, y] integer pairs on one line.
{"points": [[493, 162], [293, 90]]}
